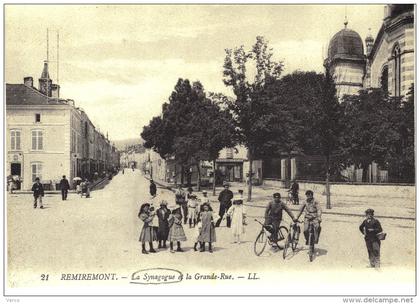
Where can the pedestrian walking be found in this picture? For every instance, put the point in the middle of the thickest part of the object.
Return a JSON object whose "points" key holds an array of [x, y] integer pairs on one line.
{"points": [[152, 188], [64, 186], [163, 214], [371, 228], [225, 197], [181, 201], [204, 198], [176, 231], [208, 231], [147, 234], [192, 210], [38, 191], [237, 213]]}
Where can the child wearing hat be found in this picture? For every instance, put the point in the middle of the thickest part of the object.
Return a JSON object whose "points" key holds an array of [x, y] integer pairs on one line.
{"points": [[163, 214], [370, 228], [176, 231], [237, 213], [147, 234]]}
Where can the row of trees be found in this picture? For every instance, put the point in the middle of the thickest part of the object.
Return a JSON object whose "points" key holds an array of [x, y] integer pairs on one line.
{"points": [[273, 116]]}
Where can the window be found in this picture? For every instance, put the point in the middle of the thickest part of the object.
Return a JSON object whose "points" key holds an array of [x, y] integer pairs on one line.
{"points": [[36, 171], [37, 117], [397, 70], [15, 139], [384, 79], [37, 140]]}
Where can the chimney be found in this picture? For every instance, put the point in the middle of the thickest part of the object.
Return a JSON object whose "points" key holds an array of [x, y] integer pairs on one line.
{"points": [[28, 81], [55, 90]]}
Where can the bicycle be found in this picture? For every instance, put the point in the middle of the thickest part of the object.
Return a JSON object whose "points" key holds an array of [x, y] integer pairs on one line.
{"points": [[264, 237], [292, 238], [311, 241]]}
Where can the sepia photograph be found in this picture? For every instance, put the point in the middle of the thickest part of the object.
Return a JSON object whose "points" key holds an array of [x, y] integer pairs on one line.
{"points": [[210, 149]]}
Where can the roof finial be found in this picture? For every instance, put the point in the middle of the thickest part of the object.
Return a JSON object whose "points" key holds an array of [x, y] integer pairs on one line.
{"points": [[345, 18]]}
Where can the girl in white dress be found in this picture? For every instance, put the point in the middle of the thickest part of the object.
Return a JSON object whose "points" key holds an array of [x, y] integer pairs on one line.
{"points": [[237, 213]]}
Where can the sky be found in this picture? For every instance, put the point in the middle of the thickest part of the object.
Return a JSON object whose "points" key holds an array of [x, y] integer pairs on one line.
{"points": [[121, 63]]}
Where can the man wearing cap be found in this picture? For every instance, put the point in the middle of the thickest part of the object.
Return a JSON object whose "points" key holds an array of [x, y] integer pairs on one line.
{"points": [[38, 190], [225, 198], [313, 214], [370, 228], [274, 215]]}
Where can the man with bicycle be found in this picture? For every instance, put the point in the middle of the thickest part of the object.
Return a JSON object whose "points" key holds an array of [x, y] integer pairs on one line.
{"points": [[274, 214], [313, 214]]}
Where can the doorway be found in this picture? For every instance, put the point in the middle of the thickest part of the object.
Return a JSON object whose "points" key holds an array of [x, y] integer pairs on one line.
{"points": [[15, 169]]}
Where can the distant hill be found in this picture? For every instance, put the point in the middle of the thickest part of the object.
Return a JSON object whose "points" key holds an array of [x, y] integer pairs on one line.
{"points": [[136, 143]]}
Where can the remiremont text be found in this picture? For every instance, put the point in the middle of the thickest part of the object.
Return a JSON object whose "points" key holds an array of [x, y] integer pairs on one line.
{"points": [[88, 276]]}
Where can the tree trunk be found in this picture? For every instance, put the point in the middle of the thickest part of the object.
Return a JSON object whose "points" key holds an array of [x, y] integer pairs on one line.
{"points": [[214, 177], [182, 175], [198, 177], [175, 176], [250, 178], [327, 184]]}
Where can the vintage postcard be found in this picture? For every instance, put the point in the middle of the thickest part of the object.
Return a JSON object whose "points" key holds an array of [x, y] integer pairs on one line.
{"points": [[210, 149]]}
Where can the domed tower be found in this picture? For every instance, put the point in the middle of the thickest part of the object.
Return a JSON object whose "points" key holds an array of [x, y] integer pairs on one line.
{"points": [[346, 61]]}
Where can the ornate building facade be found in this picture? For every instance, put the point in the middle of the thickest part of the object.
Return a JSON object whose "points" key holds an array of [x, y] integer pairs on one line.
{"points": [[389, 58]]}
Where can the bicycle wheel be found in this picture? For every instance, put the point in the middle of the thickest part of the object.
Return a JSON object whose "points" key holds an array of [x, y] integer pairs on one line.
{"points": [[311, 246], [282, 236], [294, 242], [287, 244], [260, 243]]}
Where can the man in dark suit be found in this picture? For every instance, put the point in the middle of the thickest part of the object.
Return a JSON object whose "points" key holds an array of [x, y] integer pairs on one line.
{"points": [[64, 186], [38, 190], [225, 199]]}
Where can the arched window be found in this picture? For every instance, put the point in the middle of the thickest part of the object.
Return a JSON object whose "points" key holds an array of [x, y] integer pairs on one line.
{"points": [[397, 70], [384, 79]]}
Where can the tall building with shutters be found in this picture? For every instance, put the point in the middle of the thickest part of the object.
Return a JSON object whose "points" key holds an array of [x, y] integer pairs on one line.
{"points": [[48, 137]]}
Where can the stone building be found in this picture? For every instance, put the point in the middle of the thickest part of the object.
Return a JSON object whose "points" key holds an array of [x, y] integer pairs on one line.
{"points": [[47, 136], [389, 58]]}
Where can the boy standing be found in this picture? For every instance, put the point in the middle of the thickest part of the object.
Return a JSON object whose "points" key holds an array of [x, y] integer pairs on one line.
{"points": [[38, 190]]}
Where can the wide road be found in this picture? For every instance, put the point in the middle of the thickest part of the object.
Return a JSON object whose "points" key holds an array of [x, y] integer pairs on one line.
{"points": [[100, 235]]}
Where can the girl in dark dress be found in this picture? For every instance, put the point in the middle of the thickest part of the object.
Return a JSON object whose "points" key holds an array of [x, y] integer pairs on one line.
{"points": [[163, 214]]}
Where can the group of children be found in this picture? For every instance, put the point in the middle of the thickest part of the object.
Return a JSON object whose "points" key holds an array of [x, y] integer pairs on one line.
{"points": [[164, 225]]}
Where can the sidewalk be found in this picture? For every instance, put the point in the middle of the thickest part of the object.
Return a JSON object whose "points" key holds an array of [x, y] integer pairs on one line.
{"points": [[92, 187], [341, 205]]}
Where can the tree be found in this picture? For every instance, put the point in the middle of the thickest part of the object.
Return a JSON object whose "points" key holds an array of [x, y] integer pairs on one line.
{"points": [[328, 126], [250, 116], [189, 128], [371, 129]]}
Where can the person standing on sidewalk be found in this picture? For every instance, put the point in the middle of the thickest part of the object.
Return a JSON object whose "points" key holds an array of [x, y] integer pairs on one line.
{"points": [[64, 186], [152, 188], [295, 192], [225, 198], [38, 190], [370, 229]]}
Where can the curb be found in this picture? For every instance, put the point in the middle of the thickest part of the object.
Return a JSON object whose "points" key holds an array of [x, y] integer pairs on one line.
{"points": [[168, 187]]}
